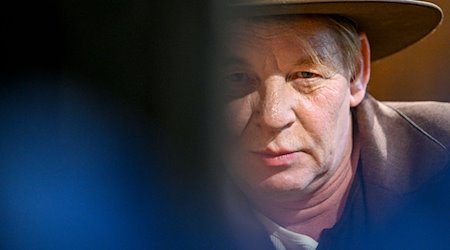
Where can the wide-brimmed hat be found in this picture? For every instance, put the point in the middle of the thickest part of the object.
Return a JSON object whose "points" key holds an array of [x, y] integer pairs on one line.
{"points": [[390, 25]]}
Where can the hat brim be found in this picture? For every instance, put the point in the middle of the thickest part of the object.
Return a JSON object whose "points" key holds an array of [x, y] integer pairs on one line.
{"points": [[391, 25]]}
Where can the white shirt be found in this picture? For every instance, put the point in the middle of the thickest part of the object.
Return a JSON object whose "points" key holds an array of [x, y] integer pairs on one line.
{"points": [[284, 239]]}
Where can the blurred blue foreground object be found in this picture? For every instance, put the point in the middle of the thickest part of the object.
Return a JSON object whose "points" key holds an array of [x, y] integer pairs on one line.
{"points": [[75, 171]]}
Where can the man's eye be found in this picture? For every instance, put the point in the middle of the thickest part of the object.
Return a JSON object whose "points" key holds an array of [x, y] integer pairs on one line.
{"points": [[237, 77], [305, 74], [239, 84], [302, 75]]}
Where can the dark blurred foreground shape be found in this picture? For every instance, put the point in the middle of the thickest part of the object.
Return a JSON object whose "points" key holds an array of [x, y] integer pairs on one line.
{"points": [[74, 173], [102, 132]]}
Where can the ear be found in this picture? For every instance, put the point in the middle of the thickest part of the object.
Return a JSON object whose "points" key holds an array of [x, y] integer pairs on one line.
{"points": [[358, 85]]}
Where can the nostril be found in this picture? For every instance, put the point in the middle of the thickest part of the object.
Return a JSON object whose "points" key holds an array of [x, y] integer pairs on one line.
{"points": [[288, 125], [276, 120]]}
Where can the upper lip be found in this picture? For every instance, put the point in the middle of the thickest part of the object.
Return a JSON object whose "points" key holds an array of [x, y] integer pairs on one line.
{"points": [[273, 153]]}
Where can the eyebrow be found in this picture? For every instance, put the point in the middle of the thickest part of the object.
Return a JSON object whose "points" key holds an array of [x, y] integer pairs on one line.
{"points": [[305, 61], [234, 60], [239, 61]]}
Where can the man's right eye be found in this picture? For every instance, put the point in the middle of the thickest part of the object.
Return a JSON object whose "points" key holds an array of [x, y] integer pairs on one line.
{"points": [[237, 77], [239, 84]]}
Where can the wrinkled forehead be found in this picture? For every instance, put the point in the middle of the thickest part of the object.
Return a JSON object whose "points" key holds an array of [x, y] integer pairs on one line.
{"points": [[310, 35]]}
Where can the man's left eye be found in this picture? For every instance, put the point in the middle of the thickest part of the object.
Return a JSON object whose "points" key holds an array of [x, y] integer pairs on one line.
{"points": [[302, 75], [305, 74]]}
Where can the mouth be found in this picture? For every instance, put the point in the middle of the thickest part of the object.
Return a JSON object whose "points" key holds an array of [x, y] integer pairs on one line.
{"points": [[277, 159]]}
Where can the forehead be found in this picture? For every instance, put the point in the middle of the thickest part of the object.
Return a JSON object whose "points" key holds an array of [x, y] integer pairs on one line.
{"points": [[267, 28], [311, 36]]}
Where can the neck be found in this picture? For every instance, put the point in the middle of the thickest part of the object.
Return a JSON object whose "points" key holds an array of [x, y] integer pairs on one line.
{"points": [[320, 209]]}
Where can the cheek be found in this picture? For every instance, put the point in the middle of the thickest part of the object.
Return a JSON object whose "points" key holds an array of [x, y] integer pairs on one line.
{"points": [[238, 114], [339, 123], [326, 113]]}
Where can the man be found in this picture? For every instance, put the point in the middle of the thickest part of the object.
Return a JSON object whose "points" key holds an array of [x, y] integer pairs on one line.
{"points": [[315, 162]]}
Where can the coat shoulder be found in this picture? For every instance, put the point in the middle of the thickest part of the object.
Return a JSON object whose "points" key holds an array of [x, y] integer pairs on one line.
{"points": [[432, 117]]}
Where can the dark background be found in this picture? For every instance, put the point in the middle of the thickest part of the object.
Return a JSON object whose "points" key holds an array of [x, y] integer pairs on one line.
{"points": [[419, 72], [147, 58]]}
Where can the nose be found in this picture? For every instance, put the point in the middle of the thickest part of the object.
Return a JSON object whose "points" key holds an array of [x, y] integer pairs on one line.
{"points": [[277, 102]]}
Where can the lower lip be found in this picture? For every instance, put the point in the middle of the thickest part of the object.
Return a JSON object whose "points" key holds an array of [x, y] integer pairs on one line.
{"points": [[279, 160]]}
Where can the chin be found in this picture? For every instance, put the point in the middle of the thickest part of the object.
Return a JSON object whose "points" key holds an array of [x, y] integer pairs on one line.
{"points": [[287, 183]]}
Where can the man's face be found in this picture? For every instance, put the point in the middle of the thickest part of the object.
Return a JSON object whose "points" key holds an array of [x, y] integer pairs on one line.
{"points": [[289, 116]]}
